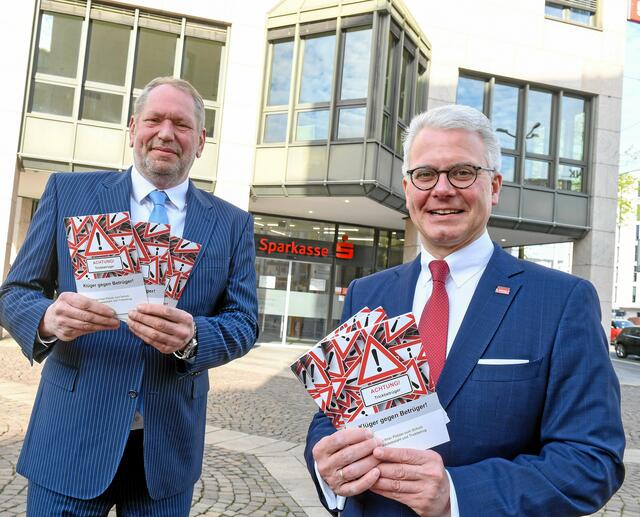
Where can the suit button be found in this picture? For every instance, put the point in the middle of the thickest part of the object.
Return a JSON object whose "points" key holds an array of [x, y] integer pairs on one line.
{"points": [[133, 394]]}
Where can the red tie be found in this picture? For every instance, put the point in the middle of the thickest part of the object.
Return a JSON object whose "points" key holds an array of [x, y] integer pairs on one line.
{"points": [[434, 322]]}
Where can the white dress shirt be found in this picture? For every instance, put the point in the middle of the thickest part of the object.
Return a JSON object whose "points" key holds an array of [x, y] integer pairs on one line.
{"points": [[465, 269], [140, 210], [141, 205]]}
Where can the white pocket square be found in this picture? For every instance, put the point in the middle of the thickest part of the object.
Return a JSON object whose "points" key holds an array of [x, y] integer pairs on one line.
{"points": [[502, 362]]}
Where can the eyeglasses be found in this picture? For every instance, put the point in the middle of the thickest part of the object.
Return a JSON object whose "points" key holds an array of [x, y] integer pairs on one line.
{"points": [[460, 176]]}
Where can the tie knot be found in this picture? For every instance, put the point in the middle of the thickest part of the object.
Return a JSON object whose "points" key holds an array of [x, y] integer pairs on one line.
{"points": [[439, 270], [158, 197]]}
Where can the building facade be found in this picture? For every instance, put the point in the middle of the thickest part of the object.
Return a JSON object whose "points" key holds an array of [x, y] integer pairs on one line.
{"points": [[306, 103]]}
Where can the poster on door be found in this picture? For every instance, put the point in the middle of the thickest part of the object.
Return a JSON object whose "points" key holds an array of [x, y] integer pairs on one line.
{"points": [[372, 372]]}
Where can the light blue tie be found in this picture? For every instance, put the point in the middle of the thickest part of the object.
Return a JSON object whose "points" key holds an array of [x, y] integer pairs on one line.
{"points": [[159, 212]]}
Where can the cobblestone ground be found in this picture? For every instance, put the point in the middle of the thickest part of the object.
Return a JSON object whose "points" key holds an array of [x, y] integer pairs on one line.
{"points": [[246, 397]]}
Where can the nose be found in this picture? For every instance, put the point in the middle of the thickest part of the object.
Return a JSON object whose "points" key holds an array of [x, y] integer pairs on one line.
{"points": [[166, 130], [443, 186]]}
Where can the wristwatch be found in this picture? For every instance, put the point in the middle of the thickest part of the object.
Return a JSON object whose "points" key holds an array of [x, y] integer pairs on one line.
{"points": [[190, 350]]}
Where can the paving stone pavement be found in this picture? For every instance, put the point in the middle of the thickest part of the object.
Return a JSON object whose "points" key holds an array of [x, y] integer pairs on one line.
{"points": [[253, 447]]}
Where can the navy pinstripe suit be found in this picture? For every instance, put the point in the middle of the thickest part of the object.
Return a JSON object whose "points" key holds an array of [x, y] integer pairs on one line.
{"points": [[83, 409]]}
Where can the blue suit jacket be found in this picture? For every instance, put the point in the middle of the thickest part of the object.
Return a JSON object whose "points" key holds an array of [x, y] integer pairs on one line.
{"points": [[83, 411], [541, 438]]}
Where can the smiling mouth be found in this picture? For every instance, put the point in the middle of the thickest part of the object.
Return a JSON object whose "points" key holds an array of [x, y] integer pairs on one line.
{"points": [[445, 212]]}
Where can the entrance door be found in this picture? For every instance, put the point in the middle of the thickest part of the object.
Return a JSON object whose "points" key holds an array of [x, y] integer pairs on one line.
{"points": [[293, 300]]}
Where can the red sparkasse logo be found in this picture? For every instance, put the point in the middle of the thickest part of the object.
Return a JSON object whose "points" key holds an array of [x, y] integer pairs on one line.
{"points": [[344, 249]]}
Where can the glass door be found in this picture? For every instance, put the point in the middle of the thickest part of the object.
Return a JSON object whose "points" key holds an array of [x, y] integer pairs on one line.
{"points": [[273, 277]]}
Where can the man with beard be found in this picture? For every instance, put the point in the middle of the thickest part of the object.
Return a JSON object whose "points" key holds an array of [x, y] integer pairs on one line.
{"points": [[119, 416]]}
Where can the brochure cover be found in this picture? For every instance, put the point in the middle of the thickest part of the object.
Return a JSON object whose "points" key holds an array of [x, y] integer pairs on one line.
{"points": [[182, 257], [104, 258], [152, 244], [372, 372]]}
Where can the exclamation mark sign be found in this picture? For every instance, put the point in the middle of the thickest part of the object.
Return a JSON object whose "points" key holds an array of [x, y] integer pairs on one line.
{"points": [[374, 353], [330, 357], [393, 327], [304, 378], [313, 369], [99, 243]]}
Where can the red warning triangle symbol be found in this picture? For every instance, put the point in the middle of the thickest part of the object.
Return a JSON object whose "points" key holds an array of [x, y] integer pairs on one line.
{"points": [[397, 326], [408, 350], [335, 366], [315, 371], [337, 383], [116, 219], [100, 244], [185, 246], [377, 363], [418, 382], [323, 397], [343, 343], [155, 229]]}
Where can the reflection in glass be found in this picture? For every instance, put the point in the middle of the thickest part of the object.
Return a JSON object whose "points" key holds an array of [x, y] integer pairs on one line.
{"points": [[536, 172], [382, 251], [108, 52], [154, 56], [58, 44], [355, 69], [538, 122], [388, 80], [572, 128], [312, 125], [581, 16], [209, 122], [508, 169], [105, 107], [351, 122], [279, 84], [406, 83], [569, 178], [504, 114], [317, 69], [421, 89], [51, 98], [553, 10], [275, 127], [471, 93], [201, 65]]}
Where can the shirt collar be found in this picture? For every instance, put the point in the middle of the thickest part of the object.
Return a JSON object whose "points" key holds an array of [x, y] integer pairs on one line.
{"points": [[141, 187], [463, 263]]}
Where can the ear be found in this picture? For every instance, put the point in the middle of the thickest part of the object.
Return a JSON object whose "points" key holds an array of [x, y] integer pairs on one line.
{"points": [[132, 129], [496, 185], [201, 140]]}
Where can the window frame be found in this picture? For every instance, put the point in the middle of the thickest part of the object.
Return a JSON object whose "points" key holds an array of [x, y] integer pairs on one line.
{"points": [[568, 6], [553, 158]]}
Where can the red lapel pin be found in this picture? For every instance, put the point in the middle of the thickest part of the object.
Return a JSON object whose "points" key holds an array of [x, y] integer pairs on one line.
{"points": [[501, 289]]}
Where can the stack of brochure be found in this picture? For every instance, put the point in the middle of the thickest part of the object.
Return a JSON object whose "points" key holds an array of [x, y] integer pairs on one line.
{"points": [[372, 372], [123, 265]]}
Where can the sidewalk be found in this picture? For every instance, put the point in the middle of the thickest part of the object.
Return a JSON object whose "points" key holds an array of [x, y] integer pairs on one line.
{"points": [[253, 461]]}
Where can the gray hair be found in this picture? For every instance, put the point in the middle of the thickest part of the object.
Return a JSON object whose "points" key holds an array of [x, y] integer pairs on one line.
{"points": [[455, 116], [178, 84]]}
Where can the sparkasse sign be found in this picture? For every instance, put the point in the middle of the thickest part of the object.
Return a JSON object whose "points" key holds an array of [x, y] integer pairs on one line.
{"points": [[304, 248]]}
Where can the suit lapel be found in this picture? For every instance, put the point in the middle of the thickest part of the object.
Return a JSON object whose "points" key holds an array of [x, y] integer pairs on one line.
{"points": [[115, 194], [403, 282], [485, 312]]}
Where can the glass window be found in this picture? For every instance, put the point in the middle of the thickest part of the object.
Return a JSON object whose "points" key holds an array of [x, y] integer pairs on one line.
{"points": [[201, 65], [108, 52], [52, 98], [553, 10], [569, 177], [58, 44], [105, 107], [471, 92], [508, 168], [504, 114], [421, 90], [317, 69], [209, 122], [281, 63], [538, 127], [351, 122], [155, 56], [388, 80], [536, 172], [406, 85], [572, 128], [355, 67], [275, 127], [580, 16], [312, 125]]}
